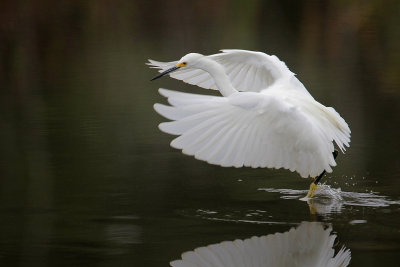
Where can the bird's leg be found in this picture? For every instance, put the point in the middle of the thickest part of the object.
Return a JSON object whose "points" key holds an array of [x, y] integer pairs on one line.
{"points": [[311, 191], [313, 185]]}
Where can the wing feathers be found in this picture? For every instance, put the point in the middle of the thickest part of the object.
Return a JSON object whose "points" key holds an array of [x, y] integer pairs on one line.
{"points": [[256, 130], [247, 70]]}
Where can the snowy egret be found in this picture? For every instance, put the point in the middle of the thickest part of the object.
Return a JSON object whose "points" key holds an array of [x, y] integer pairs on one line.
{"points": [[308, 245], [264, 118]]}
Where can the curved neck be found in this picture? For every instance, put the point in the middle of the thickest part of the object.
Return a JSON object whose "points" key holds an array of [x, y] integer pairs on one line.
{"points": [[217, 72]]}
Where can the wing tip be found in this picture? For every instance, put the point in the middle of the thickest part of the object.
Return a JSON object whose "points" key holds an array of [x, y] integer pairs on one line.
{"points": [[164, 92], [166, 128], [168, 112], [151, 62], [159, 64], [157, 107]]}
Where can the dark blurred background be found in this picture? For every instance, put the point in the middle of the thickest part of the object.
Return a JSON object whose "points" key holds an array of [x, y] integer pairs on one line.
{"points": [[86, 178]]}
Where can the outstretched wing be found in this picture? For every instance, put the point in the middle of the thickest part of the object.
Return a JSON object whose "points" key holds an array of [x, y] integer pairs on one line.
{"points": [[252, 129], [248, 71]]}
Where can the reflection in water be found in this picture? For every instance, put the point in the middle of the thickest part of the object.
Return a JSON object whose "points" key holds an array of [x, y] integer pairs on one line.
{"points": [[357, 221], [307, 245], [329, 200], [123, 230], [324, 206], [124, 234]]}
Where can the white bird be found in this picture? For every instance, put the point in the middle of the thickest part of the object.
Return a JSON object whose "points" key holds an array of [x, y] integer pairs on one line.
{"points": [[264, 118], [309, 245]]}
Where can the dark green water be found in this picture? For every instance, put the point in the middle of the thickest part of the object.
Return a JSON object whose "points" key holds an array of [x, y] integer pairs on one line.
{"points": [[86, 177]]}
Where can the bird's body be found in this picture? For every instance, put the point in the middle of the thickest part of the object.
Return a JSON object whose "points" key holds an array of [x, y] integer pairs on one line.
{"points": [[264, 118]]}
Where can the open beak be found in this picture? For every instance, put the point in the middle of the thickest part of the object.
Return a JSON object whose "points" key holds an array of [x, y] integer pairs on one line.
{"points": [[165, 72]]}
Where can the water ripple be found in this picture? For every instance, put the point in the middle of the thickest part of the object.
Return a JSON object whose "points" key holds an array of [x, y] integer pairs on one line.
{"points": [[253, 216]]}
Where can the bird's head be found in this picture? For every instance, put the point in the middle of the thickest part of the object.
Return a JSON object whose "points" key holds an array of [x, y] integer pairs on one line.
{"points": [[188, 61]]}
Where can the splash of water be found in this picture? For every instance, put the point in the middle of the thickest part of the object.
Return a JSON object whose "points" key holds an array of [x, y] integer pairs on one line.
{"points": [[328, 199]]}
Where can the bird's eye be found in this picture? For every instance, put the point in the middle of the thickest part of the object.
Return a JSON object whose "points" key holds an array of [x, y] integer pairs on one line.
{"points": [[184, 64]]}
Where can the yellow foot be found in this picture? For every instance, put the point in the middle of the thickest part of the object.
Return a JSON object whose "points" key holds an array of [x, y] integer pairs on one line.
{"points": [[311, 191]]}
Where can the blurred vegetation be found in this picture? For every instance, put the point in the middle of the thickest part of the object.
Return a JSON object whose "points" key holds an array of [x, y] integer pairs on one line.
{"points": [[40, 39]]}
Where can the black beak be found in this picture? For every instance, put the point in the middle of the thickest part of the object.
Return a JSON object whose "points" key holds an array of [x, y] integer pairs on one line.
{"points": [[164, 73]]}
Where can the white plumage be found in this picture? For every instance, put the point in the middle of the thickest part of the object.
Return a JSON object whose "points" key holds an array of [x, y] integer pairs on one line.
{"points": [[248, 71], [308, 245], [264, 118]]}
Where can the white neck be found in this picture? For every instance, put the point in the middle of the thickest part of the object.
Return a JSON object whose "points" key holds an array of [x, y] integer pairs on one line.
{"points": [[217, 72]]}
